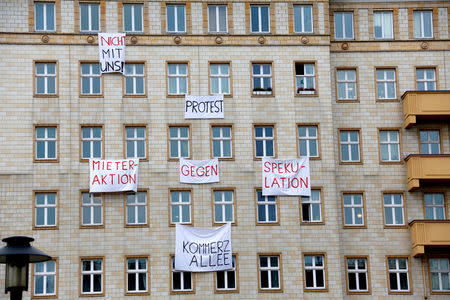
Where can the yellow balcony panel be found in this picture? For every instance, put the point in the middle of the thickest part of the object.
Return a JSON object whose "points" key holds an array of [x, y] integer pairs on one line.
{"points": [[427, 168], [430, 235], [422, 105]]}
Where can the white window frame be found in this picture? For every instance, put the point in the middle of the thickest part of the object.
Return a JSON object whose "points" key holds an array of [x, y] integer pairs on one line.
{"points": [[393, 207], [46, 75], [260, 77], [91, 206], [421, 31], [136, 272], [181, 273], [46, 141], [216, 8], [266, 203], [353, 206], [383, 15], [314, 270], [136, 141], [91, 76], [221, 139], [46, 206], [220, 195], [136, 206], [347, 84], [177, 26], [301, 82], [225, 277], [133, 17], [308, 140], [45, 274], [220, 78], [134, 76], [91, 140], [179, 206], [384, 82], [269, 269], [44, 21], [357, 270], [439, 271], [344, 15], [425, 80], [348, 143], [301, 19], [307, 202], [434, 206], [90, 16], [397, 271], [264, 140], [91, 273], [390, 144], [179, 139], [177, 76], [260, 29], [429, 142]]}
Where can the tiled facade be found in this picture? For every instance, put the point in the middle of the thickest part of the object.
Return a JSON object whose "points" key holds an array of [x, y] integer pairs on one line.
{"points": [[290, 239]]}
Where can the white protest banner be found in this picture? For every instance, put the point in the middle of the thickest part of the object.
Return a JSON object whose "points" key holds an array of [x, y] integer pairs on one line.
{"points": [[113, 175], [111, 51], [286, 177], [203, 250], [199, 171], [203, 107]]}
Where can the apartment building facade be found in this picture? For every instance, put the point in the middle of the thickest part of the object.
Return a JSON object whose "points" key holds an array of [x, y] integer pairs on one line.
{"points": [[361, 87]]}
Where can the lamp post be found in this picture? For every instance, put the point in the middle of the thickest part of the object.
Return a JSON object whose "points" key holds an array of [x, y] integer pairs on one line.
{"points": [[17, 254]]}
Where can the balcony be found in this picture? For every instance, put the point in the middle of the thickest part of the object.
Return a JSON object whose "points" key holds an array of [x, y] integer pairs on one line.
{"points": [[424, 105], [429, 235], [427, 168]]}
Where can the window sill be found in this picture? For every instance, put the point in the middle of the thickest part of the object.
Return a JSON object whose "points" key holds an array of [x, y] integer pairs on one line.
{"points": [[46, 160], [311, 223], [316, 290], [260, 290], [350, 163], [45, 95], [134, 96], [175, 95], [52, 227], [391, 162], [268, 223], [259, 93], [92, 226], [388, 100], [355, 227], [347, 100], [395, 226], [90, 95], [136, 226], [137, 293], [226, 291]]}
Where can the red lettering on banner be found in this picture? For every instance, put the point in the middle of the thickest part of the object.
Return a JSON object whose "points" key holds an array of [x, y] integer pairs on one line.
{"points": [[286, 183], [214, 170], [94, 163], [108, 165], [113, 40], [95, 180]]}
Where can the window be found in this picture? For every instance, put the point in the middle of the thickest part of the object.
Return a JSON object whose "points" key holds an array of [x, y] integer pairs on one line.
{"points": [[217, 19], [222, 142], [354, 215], [180, 207], [44, 16], [46, 147], [398, 272], [92, 276], [382, 25], [346, 84], [134, 79], [224, 203], [305, 78], [439, 273], [357, 275], [426, 79], [308, 140], [133, 18], [311, 208], [45, 210], [314, 268], [91, 142], [179, 145], [423, 24], [260, 19], [267, 209], [269, 272], [137, 275], [434, 206], [181, 282], [136, 209], [44, 278], [46, 79], [227, 281], [386, 84], [176, 18], [343, 25], [91, 79], [178, 78], [136, 140], [349, 146], [264, 137], [91, 210], [262, 79], [89, 17], [394, 214], [220, 78], [389, 146], [430, 142], [303, 19]]}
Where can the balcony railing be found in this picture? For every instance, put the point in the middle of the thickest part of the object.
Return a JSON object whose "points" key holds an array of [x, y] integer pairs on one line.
{"points": [[425, 105], [430, 235], [427, 168]]}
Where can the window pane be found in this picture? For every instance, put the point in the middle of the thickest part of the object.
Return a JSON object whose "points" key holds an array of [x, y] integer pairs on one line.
{"points": [[137, 17], [84, 15], [180, 18], [127, 17], [95, 17], [50, 10], [254, 18], [39, 11]]}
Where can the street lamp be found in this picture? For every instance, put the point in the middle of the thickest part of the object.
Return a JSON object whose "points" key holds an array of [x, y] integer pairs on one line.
{"points": [[17, 254]]}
